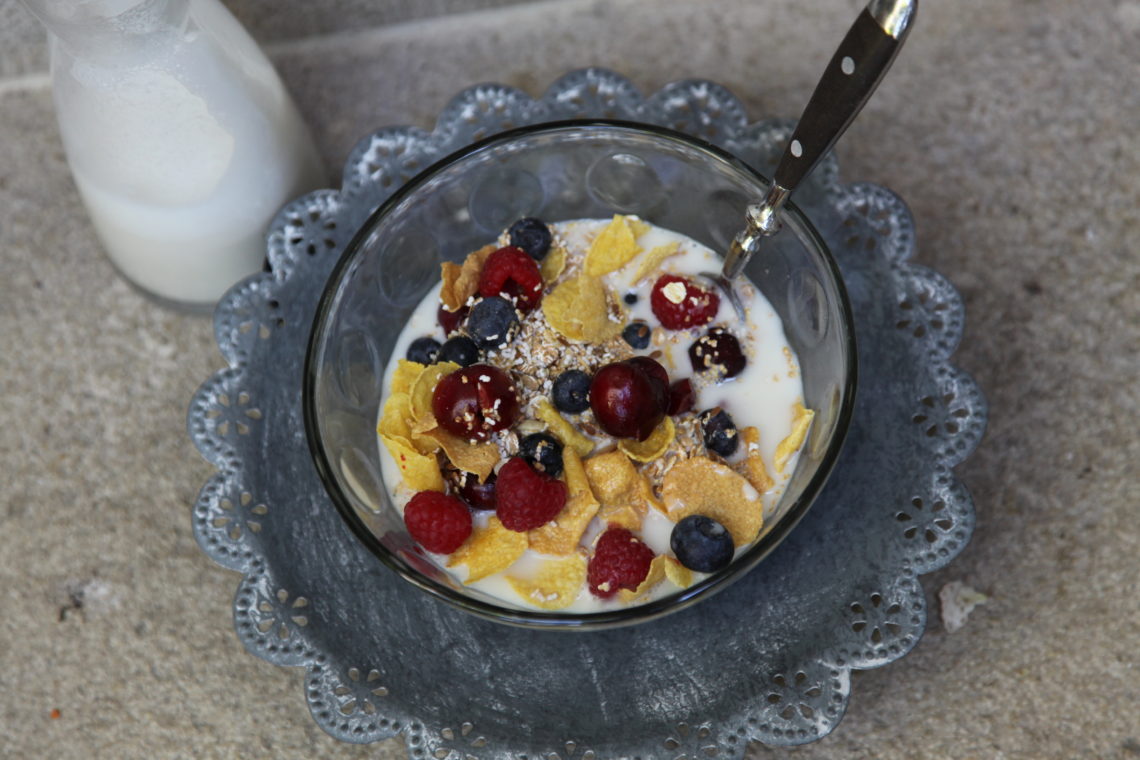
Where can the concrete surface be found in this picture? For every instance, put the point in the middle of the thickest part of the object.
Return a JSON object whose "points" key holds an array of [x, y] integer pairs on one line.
{"points": [[24, 54], [1010, 126]]}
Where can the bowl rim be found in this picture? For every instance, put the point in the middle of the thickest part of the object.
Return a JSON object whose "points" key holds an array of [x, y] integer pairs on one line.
{"points": [[576, 621]]}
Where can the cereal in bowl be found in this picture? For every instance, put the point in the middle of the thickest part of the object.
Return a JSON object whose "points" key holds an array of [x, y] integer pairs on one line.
{"points": [[582, 421]]}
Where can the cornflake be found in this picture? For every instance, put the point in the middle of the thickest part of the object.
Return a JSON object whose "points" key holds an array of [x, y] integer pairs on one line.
{"points": [[477, 458], [419, 471], [801, 421], [556, 584], [406, 373], [561, 429], [700, 486], [396, 421], [614, 247], [422, 389], [622, 515], [489, 550], [655, 575], [579, 310], [653, 260], [753, 464], [553, 264], [618, 485], [462, 282], [679, 575], [662, 568], [396, 416], [562, 534], [652, 447]]}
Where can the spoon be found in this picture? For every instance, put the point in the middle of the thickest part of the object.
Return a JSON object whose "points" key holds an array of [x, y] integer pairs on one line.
{"points": [[846, 85]]}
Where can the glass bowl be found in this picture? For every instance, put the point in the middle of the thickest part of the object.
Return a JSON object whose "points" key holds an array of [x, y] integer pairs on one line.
{"points": [[557, 171]]}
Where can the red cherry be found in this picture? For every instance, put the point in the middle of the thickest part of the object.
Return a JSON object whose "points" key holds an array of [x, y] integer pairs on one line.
{"points": [[656, 373], [451, 320], [475, 401], [628, 402], [681, 397], [477, 495]]}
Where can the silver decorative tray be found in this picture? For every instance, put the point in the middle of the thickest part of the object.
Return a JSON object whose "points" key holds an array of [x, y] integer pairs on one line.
{"points": [[767, 660]]}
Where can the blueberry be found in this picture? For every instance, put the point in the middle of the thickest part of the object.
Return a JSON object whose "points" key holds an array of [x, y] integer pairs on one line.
{"points": [[637, 334], [543, 452], [720, 431], [492, 322], [630, 298], [459, 349], [701, 543], [532, 235], [423, 350], [571, 391]]}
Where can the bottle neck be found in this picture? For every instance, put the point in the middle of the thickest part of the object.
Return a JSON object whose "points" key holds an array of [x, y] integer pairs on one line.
{"points": [[93, 28]]}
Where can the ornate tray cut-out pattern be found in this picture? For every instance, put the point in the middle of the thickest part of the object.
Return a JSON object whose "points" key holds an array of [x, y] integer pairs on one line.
{"points": [[767, 660]]}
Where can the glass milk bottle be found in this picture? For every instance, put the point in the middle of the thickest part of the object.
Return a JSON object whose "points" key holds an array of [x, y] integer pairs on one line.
{"points": [[181, 138]]}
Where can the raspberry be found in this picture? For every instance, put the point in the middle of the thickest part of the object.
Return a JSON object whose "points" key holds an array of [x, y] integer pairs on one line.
{"points": [[526, 499], [511, 273], [680, 304], [440, 523], [620, 561]]}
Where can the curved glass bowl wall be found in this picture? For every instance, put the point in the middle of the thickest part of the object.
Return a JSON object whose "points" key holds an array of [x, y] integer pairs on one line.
{"points": [[556, 172]]}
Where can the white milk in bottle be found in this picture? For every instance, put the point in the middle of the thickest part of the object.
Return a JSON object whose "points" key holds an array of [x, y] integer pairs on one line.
{"points": [[182, 140]]}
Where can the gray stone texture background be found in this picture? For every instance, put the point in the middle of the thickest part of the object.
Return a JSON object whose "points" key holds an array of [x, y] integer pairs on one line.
{"points": [[1009, 126]]}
